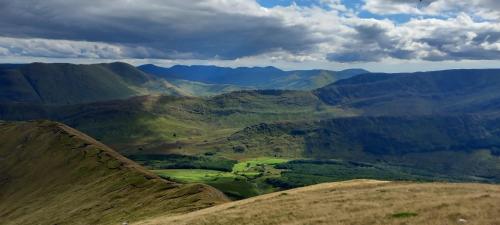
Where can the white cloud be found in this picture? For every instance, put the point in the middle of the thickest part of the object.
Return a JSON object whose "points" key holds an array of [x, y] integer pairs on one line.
{"points": [[485, 9], [456, 38]]}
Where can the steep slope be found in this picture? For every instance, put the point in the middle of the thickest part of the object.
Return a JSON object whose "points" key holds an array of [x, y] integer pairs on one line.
{"points": [[254, 77], [356, 202], [53, 174], [450, 91], [71, 84]]}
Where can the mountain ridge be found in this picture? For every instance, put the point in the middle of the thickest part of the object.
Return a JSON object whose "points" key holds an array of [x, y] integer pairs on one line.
{"points": [[447, 91], [355, 202], [53, 174], [257, 77], [63, 83]]}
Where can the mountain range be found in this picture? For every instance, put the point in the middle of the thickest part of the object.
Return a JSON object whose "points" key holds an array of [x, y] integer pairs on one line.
{"points": [[244, 131], [252, 77], [66, 84]]}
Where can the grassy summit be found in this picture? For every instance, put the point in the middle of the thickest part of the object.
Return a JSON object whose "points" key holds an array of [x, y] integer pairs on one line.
{"points": [[53, 174]]}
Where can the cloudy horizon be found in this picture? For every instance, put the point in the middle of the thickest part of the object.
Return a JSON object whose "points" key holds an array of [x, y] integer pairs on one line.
{"points": [[378, 35]]}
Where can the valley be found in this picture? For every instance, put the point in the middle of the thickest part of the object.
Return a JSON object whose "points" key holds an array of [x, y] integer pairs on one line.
{"points": [[249, 112], [247, 143]]}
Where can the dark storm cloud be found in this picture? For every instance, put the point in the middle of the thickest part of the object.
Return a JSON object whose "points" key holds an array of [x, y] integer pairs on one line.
{"points": [[156, 29]]}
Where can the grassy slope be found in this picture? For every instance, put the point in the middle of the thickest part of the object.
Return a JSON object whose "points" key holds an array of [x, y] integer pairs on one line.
{"points": [[53, 174], [356, 202], [191, 125], [72, 84], [194, 124], [463, 147], [450, 91], [223, 126]]}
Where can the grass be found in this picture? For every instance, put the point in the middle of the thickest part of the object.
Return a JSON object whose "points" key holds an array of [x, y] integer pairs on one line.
{"points": [[233, 185], [262, 175], [195, 175], [404, 215], [199, 124], [299, 173], [356, 202], [172, 161], [246, 179], [52, 174], [251, 164]]}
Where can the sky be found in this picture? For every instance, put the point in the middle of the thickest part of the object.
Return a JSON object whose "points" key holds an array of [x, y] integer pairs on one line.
{"points": [[378, 35]]}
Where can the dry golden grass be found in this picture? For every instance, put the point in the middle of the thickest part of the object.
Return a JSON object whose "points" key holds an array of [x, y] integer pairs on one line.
{"points": [[358, 202]]}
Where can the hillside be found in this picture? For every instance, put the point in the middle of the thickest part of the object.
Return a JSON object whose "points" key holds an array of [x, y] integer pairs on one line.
{"points": [[252, 77], [41, 83], [53, 174], [356, 202], [460, 147], [150, 120], [449, 91], [314, 137], [194, 88]]}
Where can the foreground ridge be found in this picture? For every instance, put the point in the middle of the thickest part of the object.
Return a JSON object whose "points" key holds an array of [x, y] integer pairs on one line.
{"points": [[357, 202], [53, 174]]}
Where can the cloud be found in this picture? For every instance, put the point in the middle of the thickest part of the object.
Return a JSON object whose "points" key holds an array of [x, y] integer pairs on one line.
{"points": [[459, 38], [485, 9], [58, 48], [162, 28], [243, 30]]}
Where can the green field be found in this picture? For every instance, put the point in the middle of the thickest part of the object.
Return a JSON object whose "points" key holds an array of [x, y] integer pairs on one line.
{"points": [[262, 175], [233, 185], [258, 167], [247, 178], [196, 175]]}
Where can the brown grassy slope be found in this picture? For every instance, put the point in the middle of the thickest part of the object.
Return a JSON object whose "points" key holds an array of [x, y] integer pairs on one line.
{"points": [[53, 174], [357, 202]]}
